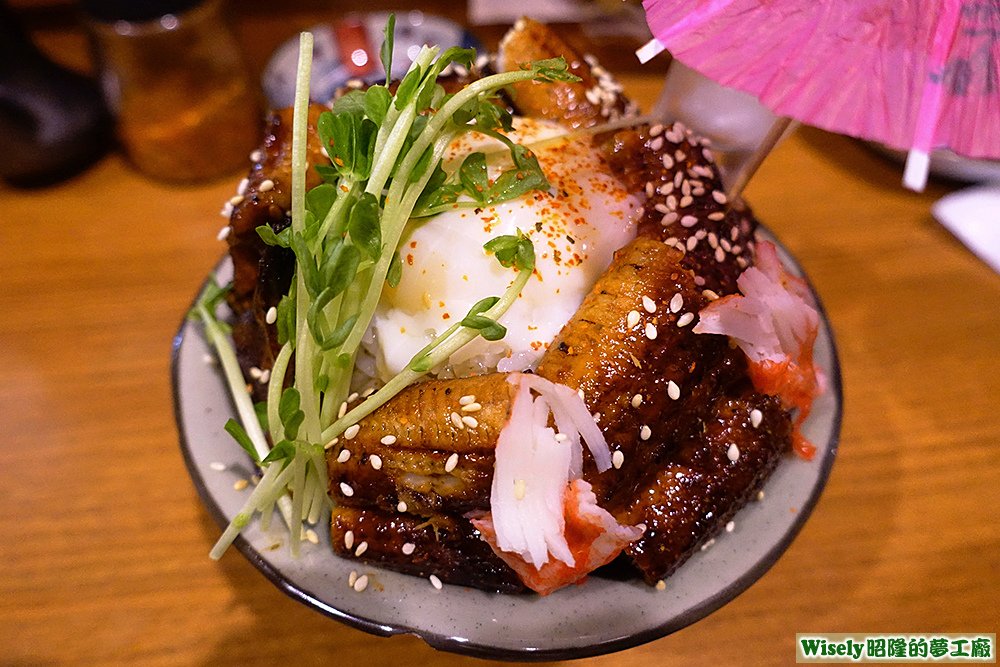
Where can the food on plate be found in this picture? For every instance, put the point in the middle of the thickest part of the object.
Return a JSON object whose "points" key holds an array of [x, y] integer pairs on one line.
{"points": [[595, 412]]}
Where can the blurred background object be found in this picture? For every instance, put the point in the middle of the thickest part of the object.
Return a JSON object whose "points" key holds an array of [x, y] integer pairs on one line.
{"points": [[174, 76], [53, 122]]}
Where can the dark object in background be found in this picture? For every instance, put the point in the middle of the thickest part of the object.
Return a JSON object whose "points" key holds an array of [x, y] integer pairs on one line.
{"points": [[53, 121]]}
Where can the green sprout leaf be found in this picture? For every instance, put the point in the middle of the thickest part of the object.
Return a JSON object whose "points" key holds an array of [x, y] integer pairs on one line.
{"points": [[234, 429], [386, 51]]}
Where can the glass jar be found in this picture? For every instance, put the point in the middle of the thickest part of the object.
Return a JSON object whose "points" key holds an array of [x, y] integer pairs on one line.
{"points": [[175, 78]]}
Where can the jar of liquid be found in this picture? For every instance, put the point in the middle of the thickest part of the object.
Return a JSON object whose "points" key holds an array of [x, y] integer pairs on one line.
{"points": [[175, 78]]}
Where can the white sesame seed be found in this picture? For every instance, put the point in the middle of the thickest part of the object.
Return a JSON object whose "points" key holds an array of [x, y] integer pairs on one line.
{"points": [[561, 437], [342, 411], [266, 185], [713, 240], [255, 372], [720, 255], [451, 463], [637, 400], [346, 489], [352, 431], [718, 215], [344, 455], [661, 585], [520, 486], [349, 539], [726, 245], [241, 189], [673, 391], [468, 398], [676, 303], [388, 440], [456, 420], [719, 196], [368, 392], [632, 318], [471, 422], [731, 526], [435, 582], [216, 465], [362, 583], [363, 547], [617, 459], [689, 221], [648, 304], [265, 375], [236, 200], [708, 544], [223, 233], [685, 319], [208, 359], [671, 202], [240, 484], [710, 295], [656, 130], [680, 156], [271, 316], [353, 397], [699, 281], [656, 144], [645, 432], [649, 189], [351, 578], [669, 218], [668, 162], [256, 156], [472, 407], [312, 536], [679, 176], [660, 207], [760, 495], [579, 392], [401, 506], [408, 548], [650, 331], [376, 461], [733, 453]]}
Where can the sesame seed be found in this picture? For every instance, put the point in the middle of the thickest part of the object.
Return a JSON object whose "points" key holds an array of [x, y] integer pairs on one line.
{"points": [[401, 506], [680, 155], [668, 162], [352, 431], [388, 440], [648, 304], [710, 295], [713, 240], [678, 177], [669, 219], [312, 536], [661, 208], [661, 585], [240, 484], [241, 189], [520, 486], [676, 302], [343, 456], [349, 539], [223, 233], [637, 400], [255, 373], [435, 582], [471, 422], [645, 432], [673, 391], [733, 453], [216, 465], [685, 319], [656, 144], [719, 196], [699, 281], [632, 318], [208, 359], [351, 578], [266, 185], [726, 245], [376, 461], [720, 255], [256, 156], [649, 189], [346, 489], [456, 420], [617, 459], [756, 417], [265, 375], [236, 200], [689, 221], [468, 398], [472, 407], [691, 243], [708, 544], [671, 202], [650, 331], [760, 495], [579, 392], [655, 130], [342, 411], [361, 584], [451, 463], [368, 392], [561, 437], [718, 215], [731, 526], [408, 548], [272, 315], [363, 547]]}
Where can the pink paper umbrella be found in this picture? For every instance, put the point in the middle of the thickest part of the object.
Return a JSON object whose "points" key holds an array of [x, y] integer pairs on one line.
{"points": [[913, 74]]}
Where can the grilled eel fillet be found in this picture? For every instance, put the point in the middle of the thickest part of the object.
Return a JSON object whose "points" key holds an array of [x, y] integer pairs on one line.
{"points": [[406, 499]]}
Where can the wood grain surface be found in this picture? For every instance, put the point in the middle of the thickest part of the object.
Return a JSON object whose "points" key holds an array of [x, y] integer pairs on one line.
{"points": [[103, 540]]}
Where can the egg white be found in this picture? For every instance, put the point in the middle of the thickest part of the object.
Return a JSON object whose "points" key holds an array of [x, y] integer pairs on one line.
{"points": [[576, 227]]}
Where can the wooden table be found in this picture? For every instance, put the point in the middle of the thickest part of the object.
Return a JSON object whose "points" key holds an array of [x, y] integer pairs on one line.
{"points": [[104, 540]]}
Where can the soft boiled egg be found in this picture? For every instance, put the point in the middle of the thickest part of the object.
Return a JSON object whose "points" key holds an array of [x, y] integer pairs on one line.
{"points": [[575, 227]]}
